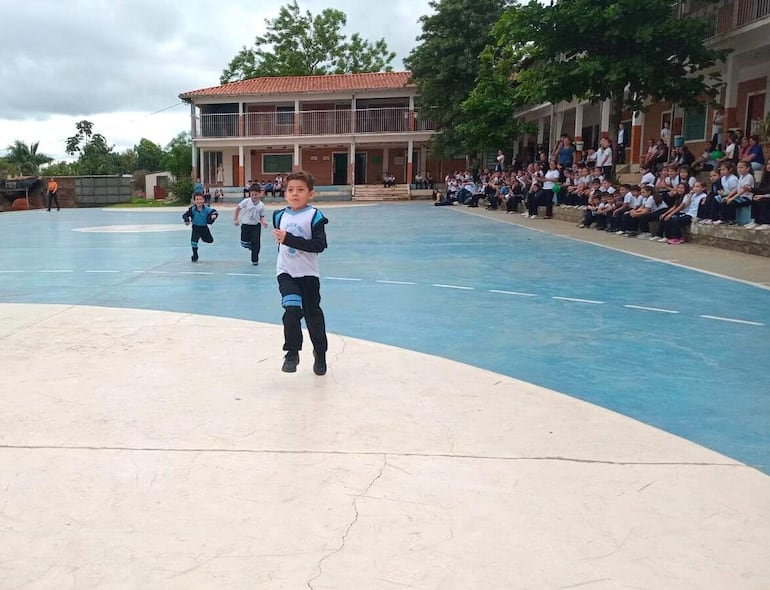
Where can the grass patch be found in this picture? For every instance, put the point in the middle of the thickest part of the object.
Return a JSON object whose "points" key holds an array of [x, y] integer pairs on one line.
{"points": [[137, 202]]}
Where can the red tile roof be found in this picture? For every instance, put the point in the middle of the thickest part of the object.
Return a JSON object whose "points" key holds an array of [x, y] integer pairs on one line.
{"points": [[307, 84]]}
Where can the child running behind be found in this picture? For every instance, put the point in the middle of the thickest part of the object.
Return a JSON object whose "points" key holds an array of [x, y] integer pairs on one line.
{"points": [[201, 217], [253, 221]]}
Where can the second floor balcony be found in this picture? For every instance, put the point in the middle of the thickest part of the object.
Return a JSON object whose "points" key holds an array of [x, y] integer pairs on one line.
{"points": [[312, 123], [726, 16]]}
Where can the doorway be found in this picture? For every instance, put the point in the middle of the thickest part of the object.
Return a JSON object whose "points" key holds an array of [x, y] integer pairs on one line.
{"points": [[340, 170], [361, 168], [237, 180]]}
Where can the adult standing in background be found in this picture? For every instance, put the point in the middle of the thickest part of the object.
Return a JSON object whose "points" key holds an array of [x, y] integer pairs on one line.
{"points": [[220, 175], [53, 193], [604, 157], [500, 165]]}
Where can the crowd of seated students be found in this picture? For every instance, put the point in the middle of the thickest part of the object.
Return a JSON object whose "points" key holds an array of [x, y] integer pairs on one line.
{"points": [[668, 193]]}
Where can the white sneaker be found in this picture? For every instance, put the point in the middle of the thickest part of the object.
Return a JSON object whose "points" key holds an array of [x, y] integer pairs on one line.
{"points": [[706, 222], [620, 232], [644, 236], [525, 214], [662, 239], [718, 222], [751, 225], [763, 226], [653, 238], [533, 216]]}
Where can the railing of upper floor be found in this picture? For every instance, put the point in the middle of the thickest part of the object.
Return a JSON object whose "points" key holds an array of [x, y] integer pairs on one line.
{"points": [[726, 16], [337, 122]]}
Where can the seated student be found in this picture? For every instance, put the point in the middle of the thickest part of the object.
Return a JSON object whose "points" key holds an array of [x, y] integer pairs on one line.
{"points": [[685, 176], [729, 182], [490, 194], [760, 204], [533, 199], [278, 187], [622, 202], [429, 180], [684, 213], [439, 200], [677, 196], [741, 196], [654, 206], [667, 181], [648, 178], [629, 222], [591, 210], [604, 211], [419, 181], [388, 180], [754, 155], [711, 207]]}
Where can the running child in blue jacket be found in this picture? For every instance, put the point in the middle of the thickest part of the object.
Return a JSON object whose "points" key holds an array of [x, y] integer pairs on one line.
{"points": [[201, 216]]}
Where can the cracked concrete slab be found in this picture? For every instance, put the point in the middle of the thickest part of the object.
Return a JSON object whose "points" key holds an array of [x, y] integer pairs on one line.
{"points": [[145, 449]]}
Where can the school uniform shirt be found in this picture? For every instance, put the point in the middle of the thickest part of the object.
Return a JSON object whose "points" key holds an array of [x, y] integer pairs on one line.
{"points": [[197, 216], [251, 212], [305, 227], [604, 157], [650, 204], [551, 178], [746, 182], [629, 200], [636, 201], [691, 204], [648, 179], [729, 183]]}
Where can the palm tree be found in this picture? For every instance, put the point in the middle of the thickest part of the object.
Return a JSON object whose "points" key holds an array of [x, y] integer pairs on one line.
{"points": [[24, 159]]}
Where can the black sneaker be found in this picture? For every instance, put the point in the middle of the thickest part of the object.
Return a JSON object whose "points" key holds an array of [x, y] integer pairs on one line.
{"points": [[255, 263], [194, 257], [319, 365], [290, 362]]}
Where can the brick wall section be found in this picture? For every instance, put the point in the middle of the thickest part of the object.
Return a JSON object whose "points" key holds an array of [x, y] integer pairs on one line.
{"points": [[744, 89], [86, 191]]}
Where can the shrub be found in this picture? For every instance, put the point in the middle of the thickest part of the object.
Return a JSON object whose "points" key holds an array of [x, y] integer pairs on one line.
{"points": [[182, 189]]}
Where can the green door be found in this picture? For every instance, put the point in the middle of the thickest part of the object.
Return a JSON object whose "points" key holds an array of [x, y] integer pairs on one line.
{"points": [[340, 173]]}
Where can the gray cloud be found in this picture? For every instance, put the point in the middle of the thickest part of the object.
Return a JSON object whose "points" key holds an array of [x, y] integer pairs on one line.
{"points": [[89, 56]]}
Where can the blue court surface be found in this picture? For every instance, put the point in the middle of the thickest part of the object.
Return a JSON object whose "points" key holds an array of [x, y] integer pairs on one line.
{"points": [[675, 348]]}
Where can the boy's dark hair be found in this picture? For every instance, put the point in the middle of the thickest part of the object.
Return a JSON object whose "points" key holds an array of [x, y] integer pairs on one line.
{"points": [[255, 188], [627, 186], [635, 187], [302, 176]]}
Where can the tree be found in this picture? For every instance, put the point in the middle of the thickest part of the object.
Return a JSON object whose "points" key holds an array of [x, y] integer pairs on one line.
{"points": [[148, 156], [298, 44], [23, 159], [593, 50], [177, 157], [445, 65], [95, 155]]}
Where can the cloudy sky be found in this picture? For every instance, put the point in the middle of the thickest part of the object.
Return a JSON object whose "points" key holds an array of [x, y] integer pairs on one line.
{"points": [[123, 64]]}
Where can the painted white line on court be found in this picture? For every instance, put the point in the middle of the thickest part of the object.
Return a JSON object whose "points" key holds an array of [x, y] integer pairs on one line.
{"points": [[453, 287], [341, 279], [642, 307], [397, 282], [195, 272], [12, 271], [731, 320], [512, 293], [158, 272], [102, 271], [54, 270], [579, 300], [242, 274]]}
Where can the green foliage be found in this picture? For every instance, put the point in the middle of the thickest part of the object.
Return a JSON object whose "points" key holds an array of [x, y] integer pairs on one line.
{"points": [[95, 155], [22, 159], [149, 155], [182, 188], [60, 168], [445, 66], [177, 157], [297, 44], [624, 50]]}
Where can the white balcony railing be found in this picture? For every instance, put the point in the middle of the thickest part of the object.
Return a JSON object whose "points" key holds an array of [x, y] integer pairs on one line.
{"points": [[336, 122], [730, 15]]}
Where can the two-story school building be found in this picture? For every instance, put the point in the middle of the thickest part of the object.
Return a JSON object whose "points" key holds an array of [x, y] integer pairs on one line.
{"points": [[347, 129], [740, 25]]}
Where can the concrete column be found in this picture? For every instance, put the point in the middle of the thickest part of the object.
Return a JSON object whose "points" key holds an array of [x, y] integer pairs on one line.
{"points": [[296, 118], [731, 94], [241, 168], [241, 125], [637, 129], [297, 164], [353, 114], [194, 172], [410, 125], [409, 165], [193, 135], [556, 131], [604, 130], [352, 164], [424, 160], [578, 131], [541, 130]]}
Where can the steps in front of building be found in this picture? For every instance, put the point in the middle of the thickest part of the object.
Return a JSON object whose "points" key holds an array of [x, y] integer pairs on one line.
{"points": [[375, 192]]}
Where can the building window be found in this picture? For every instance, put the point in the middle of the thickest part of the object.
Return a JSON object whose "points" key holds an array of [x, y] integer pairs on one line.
{"points": [[694, 127], [285, 115], [275, 163]]}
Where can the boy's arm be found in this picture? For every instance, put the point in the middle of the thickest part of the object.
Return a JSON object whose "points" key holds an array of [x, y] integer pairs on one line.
{"points": [[316, 243], [187, 215], [237, 213]]}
